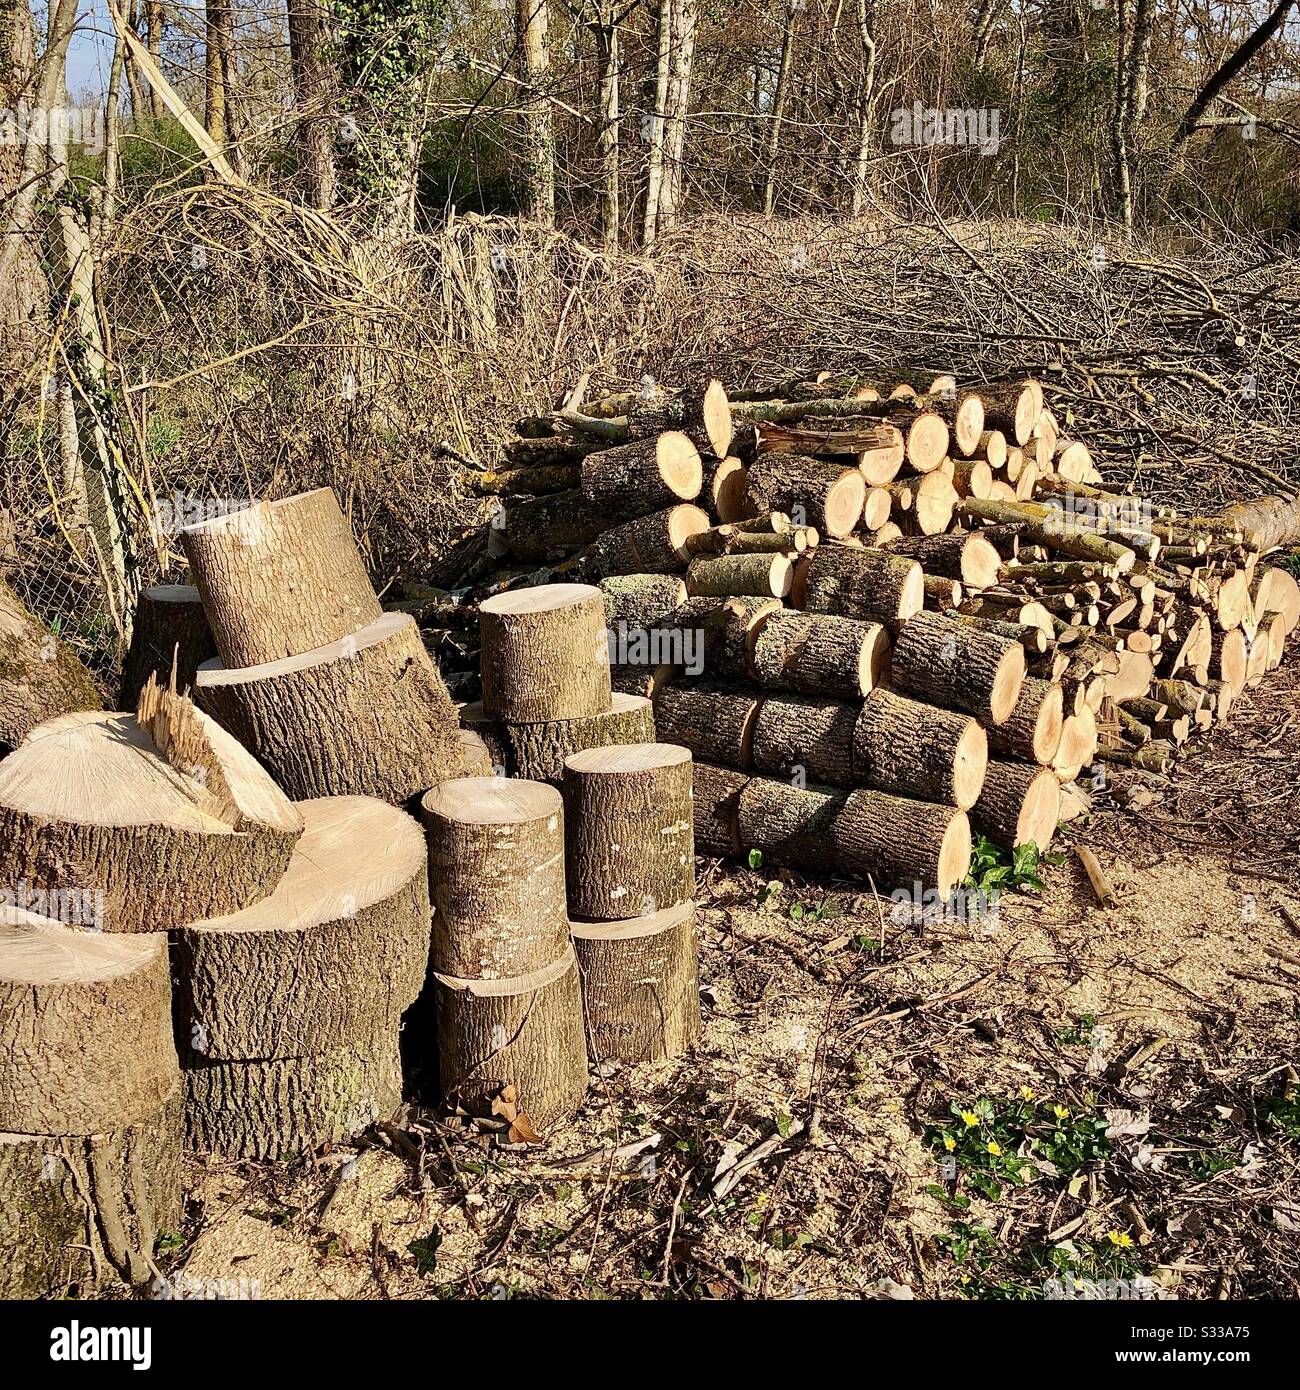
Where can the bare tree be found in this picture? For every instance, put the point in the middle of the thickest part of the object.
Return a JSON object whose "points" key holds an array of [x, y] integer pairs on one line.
{"points": [[155, 22], [655, 121], [539, 132], [779, 98], [866, 106], [685, 19], [314, 91]]}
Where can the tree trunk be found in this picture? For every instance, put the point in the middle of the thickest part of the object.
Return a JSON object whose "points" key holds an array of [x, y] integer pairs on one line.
{"points": [[365, 716], [170, 632], [641, 600], [679, 102], [805, 738], [539, 133], [629, 848], [654, 122], [315, 94], [780, 96], [156, 21], [810, 491], [866, 107], [640, 985], [217, 33]]}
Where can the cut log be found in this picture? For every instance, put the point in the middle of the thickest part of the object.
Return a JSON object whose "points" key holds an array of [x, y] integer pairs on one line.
{"points": [[877, 508], [992, 448], [654, 544], [643, 476], [170, 629], [1032, 732], [640, 985], [790, 825], [537, 751], [1276, 591], [545, 653], [1013, 410], [805, 738], [92, 814], [862, 582], [280, 578], [496, 874], [1229, 658], [702, 411], [933, 504], [725, 484], [87, 1043], [476, 759], [353, 906], [973, 478], [79, 1212], [963, 413], [767, 576], [945, 661], [288, 1106], [721, 633], [820, 654], [895, 841], [918, 750], [716, 724], [969, 558], [629, 848], [543, 529], [1018, 806], [811, 491], [926, 441], [715, 797], [1266, 522], [521, 1038], [365, 716], [40, 676]]}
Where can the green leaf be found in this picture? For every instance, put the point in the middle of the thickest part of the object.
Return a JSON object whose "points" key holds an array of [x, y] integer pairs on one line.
{"points": [[755, 858]]}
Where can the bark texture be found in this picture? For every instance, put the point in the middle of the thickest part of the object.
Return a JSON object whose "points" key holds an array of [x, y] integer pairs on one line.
{"points": [[548, 528], [820, 654], [918, 750], [644, 475], [715, 799], [862, 582], [278, 1109], [790, 825], [170, 625], [369, 716], [280, 578], [651, 544], [810, 491], [1019, 805], [716, 724], [640, 985], [545, 654], [629, 837], [944, 661], [894, 840], [77, 1212], [1033, 731], [800, 735], [641, 600]]}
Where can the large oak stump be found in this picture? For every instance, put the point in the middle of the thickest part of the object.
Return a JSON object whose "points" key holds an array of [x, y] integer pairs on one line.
{"points": [[654, 544], [170, 632], [524, 1033], [863, 582], [333, 956], [640, 985], [715, 797], [805, 737], [496, 871], [895, 840], [365, 716], [629, 838], [790, 825], [918, 750], [715, 723], [86, 1045], [76, 1212], [91, 812], [537, 751], [644, 475], [280, 578], [40, 676], [545, 653], [945, 661], [1020, 804], [820, 654], [282, 1107], [810, 491]]}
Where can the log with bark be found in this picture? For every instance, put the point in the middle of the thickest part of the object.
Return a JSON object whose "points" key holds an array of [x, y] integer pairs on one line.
{"points": [[896, 841], [715, 797], [806, 738], [918, 750], [170, 632], [790, 825], [542, 529], [280, 578], [820, 654], [863, 582], [811, 491], [942, 660], [715, 723], [644, 475], [758, 575], [641, 600], [654, 544], [1032, 731], [1019, 805]]}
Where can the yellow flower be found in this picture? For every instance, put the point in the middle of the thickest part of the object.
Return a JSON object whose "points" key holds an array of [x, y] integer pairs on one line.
{"points": [[1120, 1238], [1026, 1093], [970, 1118], [995, 1148], [949, 1142], [762, 1200], [1061, 1112]]}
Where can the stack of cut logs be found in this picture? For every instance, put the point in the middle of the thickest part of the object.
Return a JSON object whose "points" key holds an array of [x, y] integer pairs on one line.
{"points": [[882, 613]]}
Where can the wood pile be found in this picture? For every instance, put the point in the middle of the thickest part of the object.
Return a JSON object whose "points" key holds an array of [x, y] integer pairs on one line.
{"points": [[882, 615]]}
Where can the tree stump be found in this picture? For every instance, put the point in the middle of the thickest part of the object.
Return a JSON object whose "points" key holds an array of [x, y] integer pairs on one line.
{"points": [[640, 985], [895, 841], [820, 654], [40, 677], [368, 715], [629, 842], [280, 578], [715, 724], [352, 907], [545, 654], [93, 816], [918, 750], [280, 1108], [78, 1211], [715, 797], [87, 1045], [863, 582], [945, 661], [1019, 805], [170, 628]]}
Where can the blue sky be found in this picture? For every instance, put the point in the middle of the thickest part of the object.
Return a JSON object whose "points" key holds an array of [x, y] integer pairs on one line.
{"points": [[91, 49]]}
